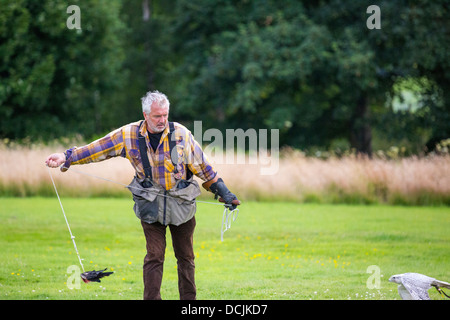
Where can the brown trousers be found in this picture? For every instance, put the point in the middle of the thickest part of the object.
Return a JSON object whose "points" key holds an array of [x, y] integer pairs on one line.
{"points": [[182, 241]]}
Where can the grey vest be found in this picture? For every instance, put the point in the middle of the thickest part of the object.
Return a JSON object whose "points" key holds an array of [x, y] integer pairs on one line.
{"points": [[152, 203]]}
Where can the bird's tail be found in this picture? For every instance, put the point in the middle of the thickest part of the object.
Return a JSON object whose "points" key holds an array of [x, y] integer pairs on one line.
{"points": [[440, 284]]}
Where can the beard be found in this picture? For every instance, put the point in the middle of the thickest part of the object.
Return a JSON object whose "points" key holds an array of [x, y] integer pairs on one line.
{"points": [[156, 128]]}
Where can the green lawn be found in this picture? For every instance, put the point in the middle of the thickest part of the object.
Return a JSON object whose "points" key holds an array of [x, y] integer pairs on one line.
{"points": [[272, 251]]}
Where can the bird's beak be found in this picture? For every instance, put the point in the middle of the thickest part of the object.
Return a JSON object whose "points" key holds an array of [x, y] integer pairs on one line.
{"points": [[394, 278], [84, 278]]}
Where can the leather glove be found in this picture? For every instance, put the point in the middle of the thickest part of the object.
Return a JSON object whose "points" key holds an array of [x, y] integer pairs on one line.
{"points": [[220, 189]]}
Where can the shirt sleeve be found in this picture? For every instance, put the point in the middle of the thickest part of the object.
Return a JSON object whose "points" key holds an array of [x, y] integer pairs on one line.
{"points": [[198, 162], [104, 148]]}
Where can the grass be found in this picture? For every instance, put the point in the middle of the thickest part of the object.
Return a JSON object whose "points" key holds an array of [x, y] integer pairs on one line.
{"points": [[272, 251], [350, 179]]}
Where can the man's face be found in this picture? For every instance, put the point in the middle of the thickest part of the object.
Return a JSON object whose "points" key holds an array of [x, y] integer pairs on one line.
{"points": [[157, 119]]}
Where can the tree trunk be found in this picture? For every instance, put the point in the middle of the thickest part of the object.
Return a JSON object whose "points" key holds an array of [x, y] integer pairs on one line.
{"points": [[360, 129], [145, 10], [146, 16]]}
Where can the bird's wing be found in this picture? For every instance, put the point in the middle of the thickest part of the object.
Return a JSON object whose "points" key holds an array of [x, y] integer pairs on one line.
{"points": [[417, 293], [404, 293]]}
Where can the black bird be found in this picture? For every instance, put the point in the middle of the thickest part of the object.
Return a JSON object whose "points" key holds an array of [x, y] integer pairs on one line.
{"points": [[95, 276]]}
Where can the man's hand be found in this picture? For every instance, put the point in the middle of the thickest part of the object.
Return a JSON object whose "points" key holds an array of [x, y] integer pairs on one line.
{"points": [[219, 188], [55, 160]]}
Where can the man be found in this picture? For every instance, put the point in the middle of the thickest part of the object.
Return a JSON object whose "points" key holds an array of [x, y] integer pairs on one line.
{"points": [[164, 156]]}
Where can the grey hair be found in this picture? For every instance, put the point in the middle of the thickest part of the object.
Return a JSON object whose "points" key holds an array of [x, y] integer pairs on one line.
{"points": [[154, 96]]}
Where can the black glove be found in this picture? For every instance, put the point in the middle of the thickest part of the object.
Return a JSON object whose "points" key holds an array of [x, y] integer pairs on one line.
{"points": [[220, 189]]}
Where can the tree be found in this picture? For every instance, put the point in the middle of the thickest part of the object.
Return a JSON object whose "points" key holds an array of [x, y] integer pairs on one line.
{"points": [[426, 47], [55, 81], [148, 53], [312, 69]]}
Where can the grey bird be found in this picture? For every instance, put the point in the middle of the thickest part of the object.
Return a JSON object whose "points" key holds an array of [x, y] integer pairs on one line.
{"points": [[414, 286]]}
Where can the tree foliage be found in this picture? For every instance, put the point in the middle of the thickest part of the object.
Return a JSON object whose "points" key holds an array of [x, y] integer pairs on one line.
{"points": [[55, 81], [311, 69]]}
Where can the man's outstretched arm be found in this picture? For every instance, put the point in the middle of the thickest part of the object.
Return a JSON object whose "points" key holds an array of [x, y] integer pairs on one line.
{"points": [[109, 146]]}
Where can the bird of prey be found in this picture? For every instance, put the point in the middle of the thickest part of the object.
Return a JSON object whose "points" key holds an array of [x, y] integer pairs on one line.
{"points": [[414, 286], [95, 276]]}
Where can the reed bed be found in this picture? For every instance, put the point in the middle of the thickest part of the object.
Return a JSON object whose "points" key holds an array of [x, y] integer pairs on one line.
{"points": [[349, 179]]}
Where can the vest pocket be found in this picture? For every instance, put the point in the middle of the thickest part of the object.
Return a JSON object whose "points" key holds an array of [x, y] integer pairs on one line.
{"points": [[145, 210]]}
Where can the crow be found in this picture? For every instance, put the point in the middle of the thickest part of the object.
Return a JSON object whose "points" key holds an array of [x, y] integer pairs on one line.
{"points": [[94, 276]]}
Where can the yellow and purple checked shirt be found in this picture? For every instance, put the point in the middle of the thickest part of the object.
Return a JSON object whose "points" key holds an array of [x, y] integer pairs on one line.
{"points": [[124, 142]]}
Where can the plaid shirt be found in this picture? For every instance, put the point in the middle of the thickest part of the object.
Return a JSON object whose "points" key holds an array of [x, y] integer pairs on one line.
{"points": [[124, 142]]}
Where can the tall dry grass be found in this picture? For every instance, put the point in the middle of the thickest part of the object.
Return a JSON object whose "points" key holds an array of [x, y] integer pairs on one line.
{"points": [[23, 173], [351, 179]]}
